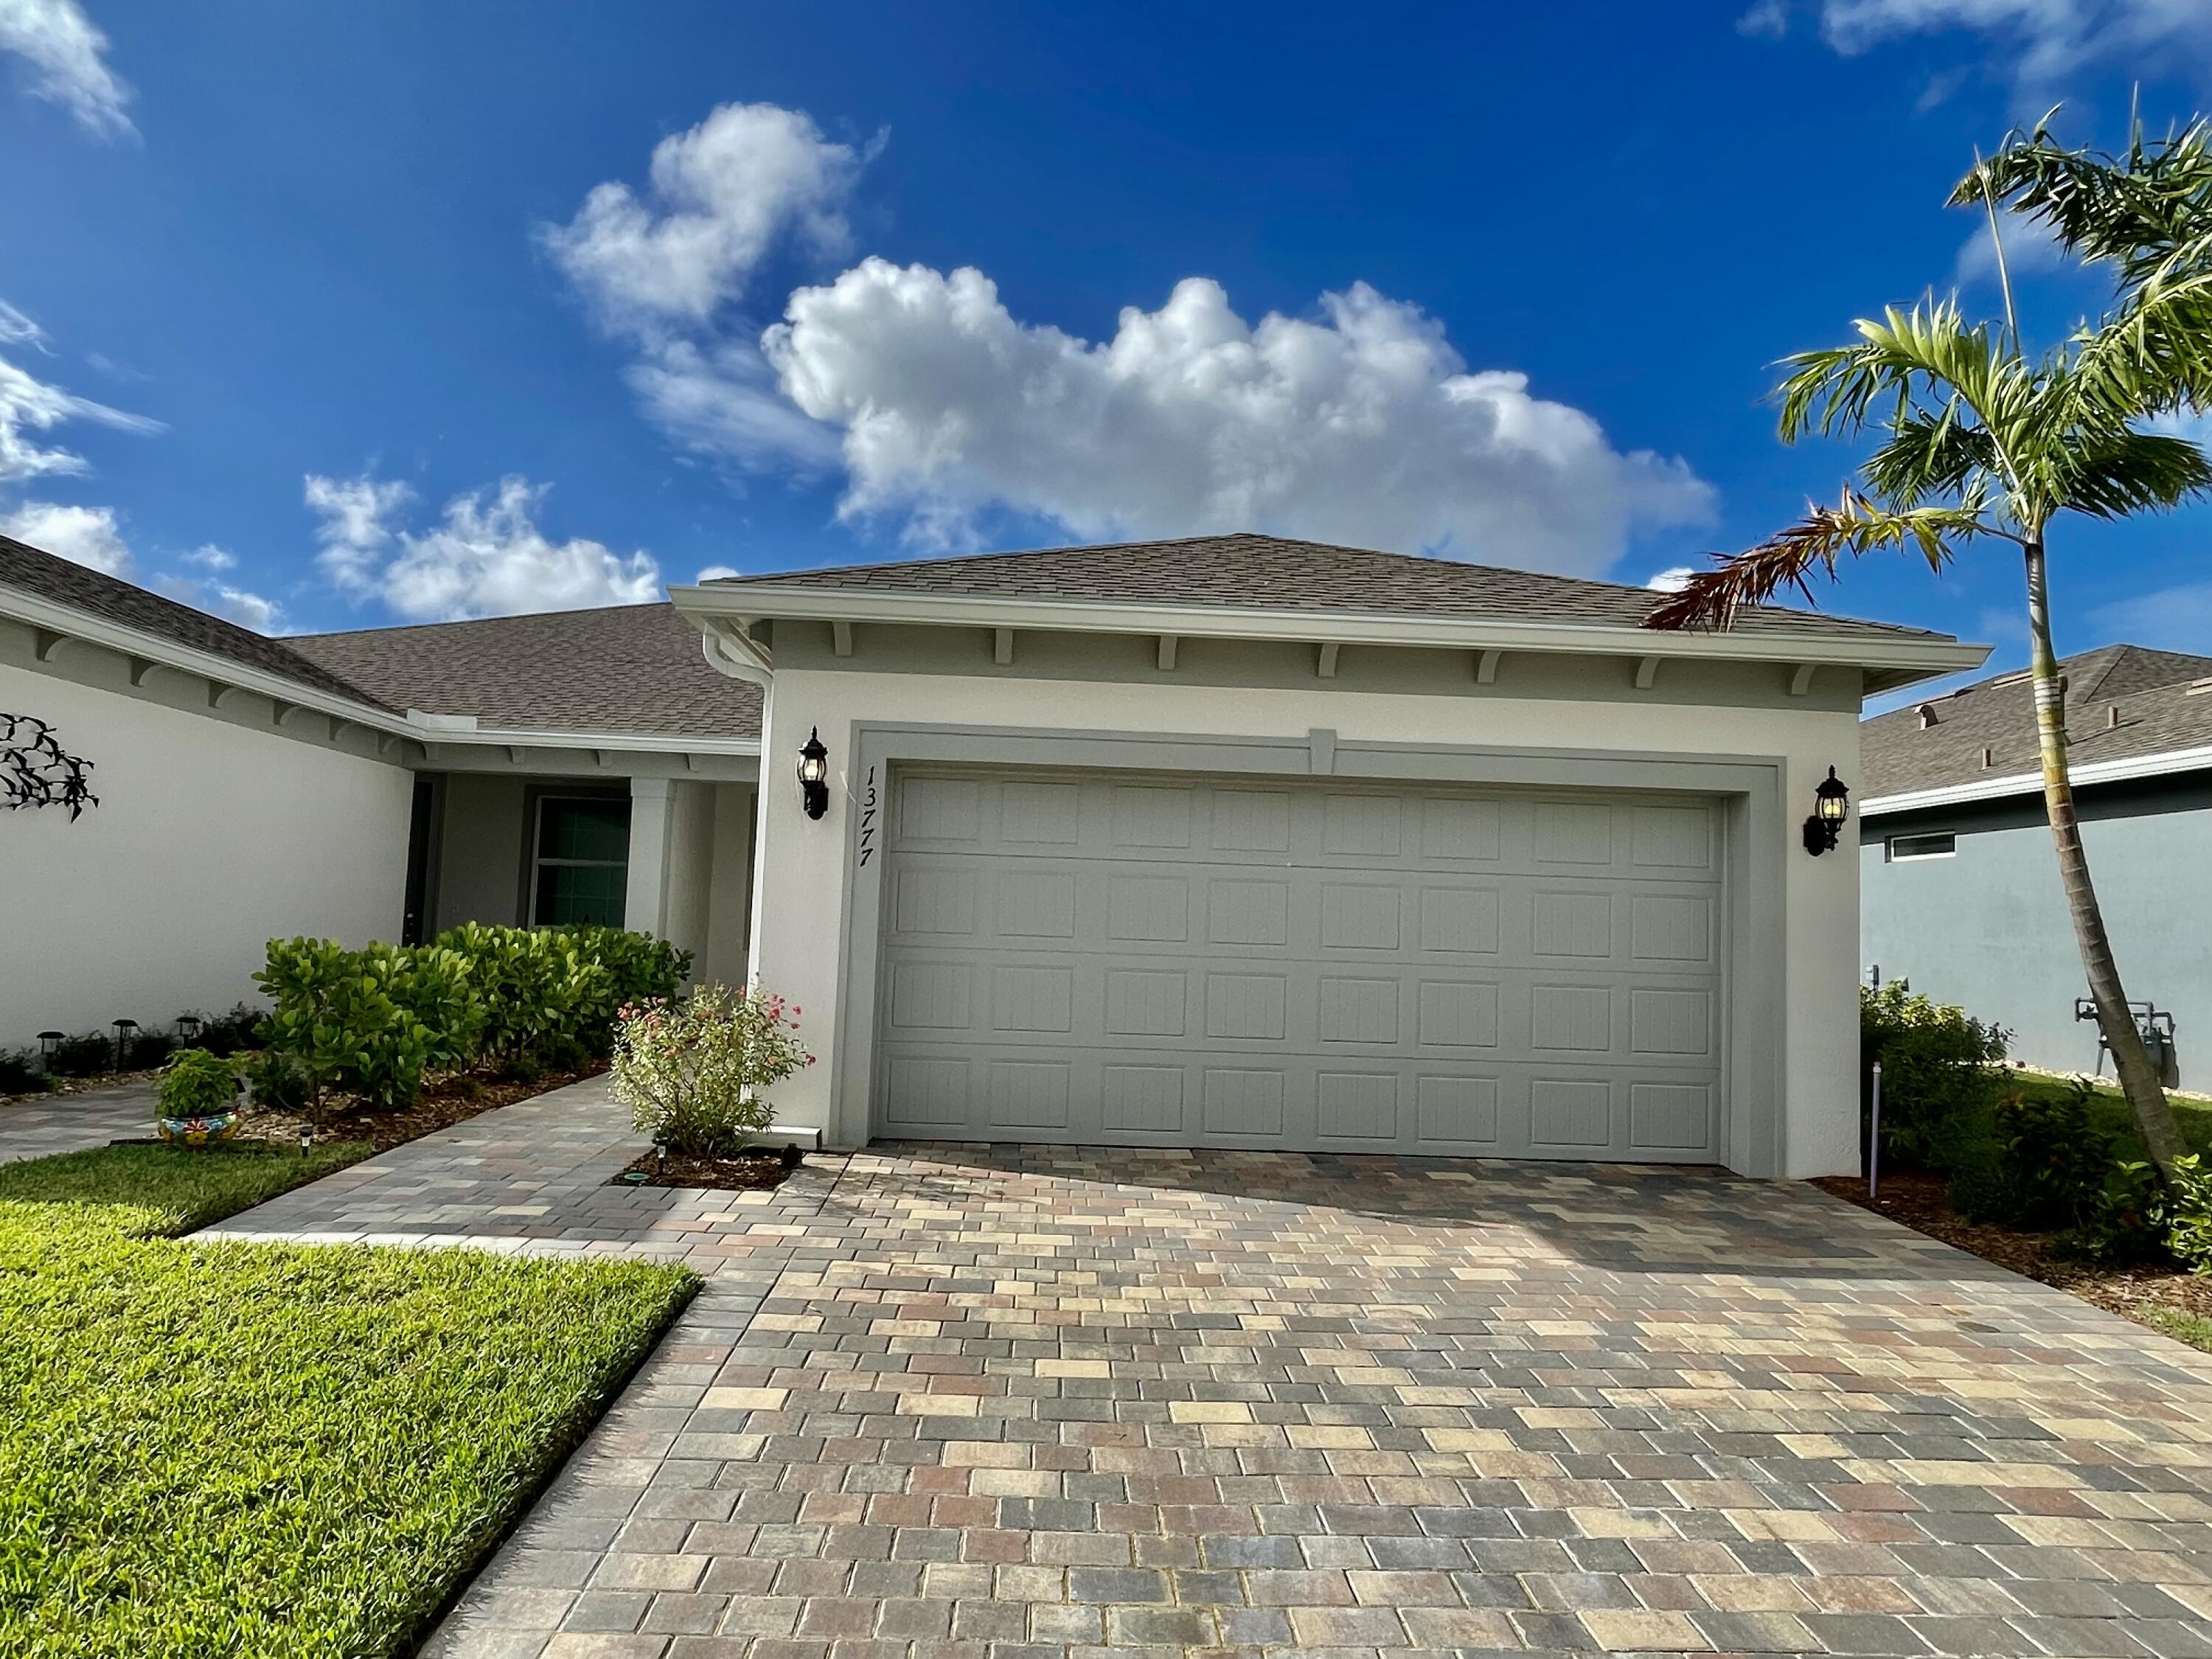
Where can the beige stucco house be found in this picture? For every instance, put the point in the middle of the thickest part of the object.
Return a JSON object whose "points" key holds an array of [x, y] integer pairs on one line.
{"points": [[1229, 841]]}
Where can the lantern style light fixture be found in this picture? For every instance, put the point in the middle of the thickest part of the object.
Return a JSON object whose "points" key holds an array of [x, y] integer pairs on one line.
{"points": [[814, 775], [189, 1027], [123, 1030], [1831, 805], [50, 1041]]}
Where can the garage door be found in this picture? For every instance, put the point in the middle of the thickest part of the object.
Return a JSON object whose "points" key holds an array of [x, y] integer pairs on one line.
{"points": [[1157, 960]]}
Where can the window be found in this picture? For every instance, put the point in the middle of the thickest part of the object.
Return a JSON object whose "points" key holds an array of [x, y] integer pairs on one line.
{"points": [[1903, 849], [581, 865]]}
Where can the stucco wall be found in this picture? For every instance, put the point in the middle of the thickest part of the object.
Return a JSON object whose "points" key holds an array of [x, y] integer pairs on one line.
{"points": [[800, 904], [1988, 929], [211, 838]]}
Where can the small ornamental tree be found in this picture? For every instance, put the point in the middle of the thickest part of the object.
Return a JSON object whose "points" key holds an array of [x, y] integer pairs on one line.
{"points": [[692, 1071]]}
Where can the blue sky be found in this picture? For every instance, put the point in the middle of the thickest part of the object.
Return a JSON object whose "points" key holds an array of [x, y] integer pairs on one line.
{"points": [[336, 316]]}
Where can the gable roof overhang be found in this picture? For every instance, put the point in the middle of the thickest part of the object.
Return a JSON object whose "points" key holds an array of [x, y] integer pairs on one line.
{"points": [[727, 615]]}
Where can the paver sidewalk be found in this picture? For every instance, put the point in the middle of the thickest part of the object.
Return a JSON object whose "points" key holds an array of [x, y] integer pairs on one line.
{"points": [[976, 1403], [70, 1123]]}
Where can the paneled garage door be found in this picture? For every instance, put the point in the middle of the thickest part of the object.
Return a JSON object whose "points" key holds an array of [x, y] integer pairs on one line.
{"points": [[1157, 960]]}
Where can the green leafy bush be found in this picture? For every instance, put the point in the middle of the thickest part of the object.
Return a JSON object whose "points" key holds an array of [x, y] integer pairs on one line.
{"points": [[371, 1021], [225, 1034], [90, 1054], [279, 1082], [2052, 1159], [196, 1084], [148, 1049], [1939, 1073], [2189, 1214], [692, 1071], [19, 1073], [640, 969], [538, 988]]}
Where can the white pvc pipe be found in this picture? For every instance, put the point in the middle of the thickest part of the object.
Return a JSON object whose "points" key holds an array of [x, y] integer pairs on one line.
{"points": [[1874, 1142]]}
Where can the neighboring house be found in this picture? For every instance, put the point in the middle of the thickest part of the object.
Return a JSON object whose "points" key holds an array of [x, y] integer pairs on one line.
{"points": [[1961, 880], [1231, 841]]}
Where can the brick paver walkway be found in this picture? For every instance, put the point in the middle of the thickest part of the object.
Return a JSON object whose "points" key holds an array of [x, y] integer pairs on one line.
{"points": [[964, 1403], [69, 1123]]}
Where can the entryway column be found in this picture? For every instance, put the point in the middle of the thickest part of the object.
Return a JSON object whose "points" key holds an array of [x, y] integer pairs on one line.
{"points": [[645, 899]]}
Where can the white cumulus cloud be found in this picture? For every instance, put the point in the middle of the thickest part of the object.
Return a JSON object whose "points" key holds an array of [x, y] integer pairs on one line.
{"points": [[1673, 579], [84, 535], [63, 52], [2037, 42], [485, 558], [942, 410], [1362, 426], [721, 197]]}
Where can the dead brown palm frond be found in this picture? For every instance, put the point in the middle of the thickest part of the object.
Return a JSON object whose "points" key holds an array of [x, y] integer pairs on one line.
{"points": [[1825, 535]]}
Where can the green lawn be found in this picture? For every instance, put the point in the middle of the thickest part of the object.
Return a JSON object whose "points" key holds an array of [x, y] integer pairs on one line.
{"points": [[2110, 1107], [268, 1451]]}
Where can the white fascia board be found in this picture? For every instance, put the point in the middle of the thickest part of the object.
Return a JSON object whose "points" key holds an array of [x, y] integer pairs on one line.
{"points": [[2031, 783], [1919, 658], [422, 727]]}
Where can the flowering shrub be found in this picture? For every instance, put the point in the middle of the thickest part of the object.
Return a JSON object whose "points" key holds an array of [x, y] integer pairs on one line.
{"points": [[691, 1071]]}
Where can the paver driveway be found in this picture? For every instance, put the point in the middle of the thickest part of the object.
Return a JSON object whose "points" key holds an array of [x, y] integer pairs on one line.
{"points": [[70, 1123], [962, 1403]]}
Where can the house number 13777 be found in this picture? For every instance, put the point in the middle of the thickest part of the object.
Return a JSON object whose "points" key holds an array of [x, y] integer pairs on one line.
{"points": [[868, 820]]}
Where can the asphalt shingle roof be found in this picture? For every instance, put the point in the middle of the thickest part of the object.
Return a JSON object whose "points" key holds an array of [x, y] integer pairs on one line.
{"points": [[2164, 699], [635, 668], [65, 582], [1273, 573]]}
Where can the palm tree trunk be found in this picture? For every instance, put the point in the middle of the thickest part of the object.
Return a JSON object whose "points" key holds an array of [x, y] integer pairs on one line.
{"points": [[2139, 1078]]}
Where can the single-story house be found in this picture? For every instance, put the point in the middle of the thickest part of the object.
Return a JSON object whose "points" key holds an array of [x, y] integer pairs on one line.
{"points": [[1228, 841], [1961, 879]]}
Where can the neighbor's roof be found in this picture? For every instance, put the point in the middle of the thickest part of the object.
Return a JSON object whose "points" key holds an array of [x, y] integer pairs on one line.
{"points": [[2165, 704], [632, 668], [1272, 572], [63, 582]]}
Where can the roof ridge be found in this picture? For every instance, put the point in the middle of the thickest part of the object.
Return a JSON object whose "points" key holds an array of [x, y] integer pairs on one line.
{"points": [[476, 621]]}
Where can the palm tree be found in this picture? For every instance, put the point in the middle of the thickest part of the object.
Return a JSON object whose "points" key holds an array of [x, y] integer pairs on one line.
{"points": [[1979, 445]]}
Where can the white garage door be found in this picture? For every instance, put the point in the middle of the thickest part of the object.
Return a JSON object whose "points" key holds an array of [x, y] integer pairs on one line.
{"points": [[1159, 960]]}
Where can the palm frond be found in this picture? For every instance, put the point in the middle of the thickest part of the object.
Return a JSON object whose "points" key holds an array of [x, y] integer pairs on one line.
{"points": [[1931, 455], [2135, 472], [2155, 352], [1855, 526], [2133, 210], [1928, 352]]}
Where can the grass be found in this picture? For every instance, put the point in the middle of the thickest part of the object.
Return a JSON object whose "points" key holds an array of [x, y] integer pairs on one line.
{"points": [[272, 1450], [2109, 1109]]}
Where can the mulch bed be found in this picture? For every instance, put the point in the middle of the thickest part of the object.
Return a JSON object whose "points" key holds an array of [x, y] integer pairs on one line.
{"points": [[748, 1170], [448, 1100], [1918, 1200]]}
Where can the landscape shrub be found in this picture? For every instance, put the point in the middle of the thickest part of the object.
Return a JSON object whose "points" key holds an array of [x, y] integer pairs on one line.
{"points": [[196, 1084], [90, 1054], [372, 1021], [2052, 1159], [640, 969], [19, 1073], [278, 1082], [145, 1050], [1939, 1073], [691, 1071], [539, 987], [2189, 1214], [226, 1034]]}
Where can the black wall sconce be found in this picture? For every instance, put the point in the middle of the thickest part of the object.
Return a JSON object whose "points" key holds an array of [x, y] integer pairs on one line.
{"points": [[1831, 805], [814, 774]]}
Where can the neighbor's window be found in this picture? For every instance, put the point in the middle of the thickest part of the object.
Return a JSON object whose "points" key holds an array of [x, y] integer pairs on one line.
{"points": [[582, 861], [1904, 849]]}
